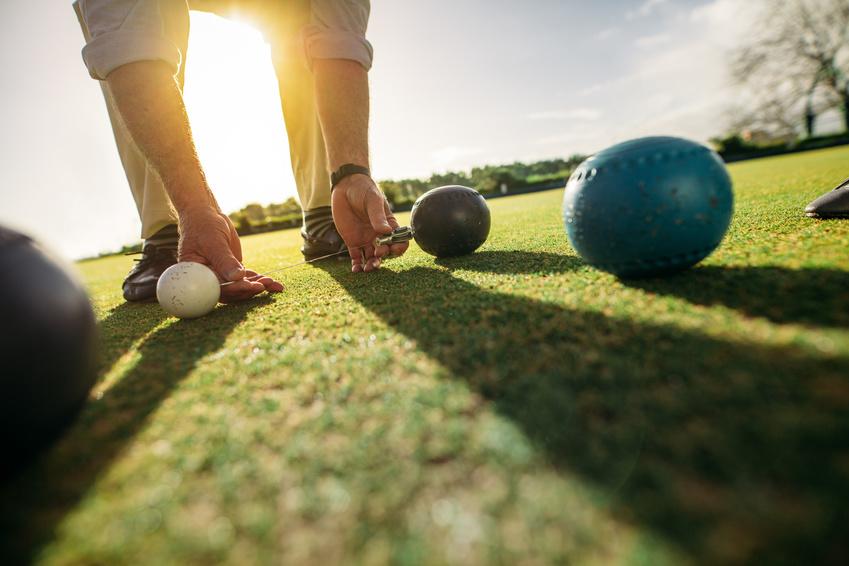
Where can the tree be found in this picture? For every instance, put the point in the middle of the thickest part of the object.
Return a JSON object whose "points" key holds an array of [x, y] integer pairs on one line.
{"points": [[486, 179], [394, 192], [729, 144], [449, 178], [775, 113], [489, 179], [254, 212], [287, 208], [796, 62], [242, 223]]}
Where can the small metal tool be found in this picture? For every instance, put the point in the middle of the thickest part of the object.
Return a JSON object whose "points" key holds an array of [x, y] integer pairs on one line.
{"points": [[397, 236]]}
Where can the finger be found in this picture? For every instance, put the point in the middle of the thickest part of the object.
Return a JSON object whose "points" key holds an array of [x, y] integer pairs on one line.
{"points": [[270, 284], [397, 250], [372, 261], [241, 291], [375, 206], [235, 242], [226, 265], [243, 287], [356, 259], [390, 218], [372, 264]]}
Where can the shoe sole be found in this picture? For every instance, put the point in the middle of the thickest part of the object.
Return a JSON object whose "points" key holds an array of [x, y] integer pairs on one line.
{"points": [[150, 299], [826, 216], [147, 297]]}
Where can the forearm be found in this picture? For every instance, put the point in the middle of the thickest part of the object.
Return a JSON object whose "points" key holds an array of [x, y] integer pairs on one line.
{"points": [[360, 210], [342, 95], [152, 108]]}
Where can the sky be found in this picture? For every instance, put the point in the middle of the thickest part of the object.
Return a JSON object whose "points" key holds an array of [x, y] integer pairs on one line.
{"points": [[455, 83]]}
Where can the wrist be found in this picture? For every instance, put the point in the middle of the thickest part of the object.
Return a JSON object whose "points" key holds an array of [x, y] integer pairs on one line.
{"points": [[189, 192], [195, 210], [354, 188], [193, 198], [347, 171]]}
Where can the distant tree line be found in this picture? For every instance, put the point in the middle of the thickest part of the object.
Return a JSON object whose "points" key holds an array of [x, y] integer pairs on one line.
{"points": [[737, 147], [488, 179], [402, 193], [254, 218]]}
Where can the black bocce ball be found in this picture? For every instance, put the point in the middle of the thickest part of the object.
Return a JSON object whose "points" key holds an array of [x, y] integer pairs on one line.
{"points": [[48, 345], [450, 221]]}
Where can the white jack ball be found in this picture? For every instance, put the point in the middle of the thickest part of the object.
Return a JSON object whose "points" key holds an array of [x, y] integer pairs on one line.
{"points": [[188, 290]]}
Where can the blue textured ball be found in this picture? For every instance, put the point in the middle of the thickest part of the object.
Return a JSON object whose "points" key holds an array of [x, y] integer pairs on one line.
{"points": [[648, 207]]}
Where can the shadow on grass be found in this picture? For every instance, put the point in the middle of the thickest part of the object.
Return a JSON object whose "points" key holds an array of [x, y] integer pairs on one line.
{"points": [[37, 500], [731, 451], [815, 297], [512, 262], [124, 325]]}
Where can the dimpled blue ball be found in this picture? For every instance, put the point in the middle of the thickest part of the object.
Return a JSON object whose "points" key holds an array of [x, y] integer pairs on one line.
{"points": [[648, 207]]}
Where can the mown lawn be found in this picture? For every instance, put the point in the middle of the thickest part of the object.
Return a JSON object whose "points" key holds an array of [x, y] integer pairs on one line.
{"points": [[513, 407]]}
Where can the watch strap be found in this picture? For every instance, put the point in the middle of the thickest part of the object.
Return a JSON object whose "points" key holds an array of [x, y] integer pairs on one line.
{"points": [[346, 171]]}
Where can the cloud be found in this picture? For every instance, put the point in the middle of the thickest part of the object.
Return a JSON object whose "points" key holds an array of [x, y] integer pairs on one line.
{"points": [[587, 114], [570, 138], [647, 8], [652, 40], [726, 20], [593, 89], [663, 91], [607, 33], [451, 155]]}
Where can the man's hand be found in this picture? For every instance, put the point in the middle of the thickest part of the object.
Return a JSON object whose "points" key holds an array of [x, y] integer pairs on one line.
{"points": [[361, 214], [152, 108], [360, 210], [209, 237]]}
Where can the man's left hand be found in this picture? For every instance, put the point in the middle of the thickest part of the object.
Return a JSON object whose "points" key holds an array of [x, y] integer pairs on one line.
{"points": [[361, 214]]}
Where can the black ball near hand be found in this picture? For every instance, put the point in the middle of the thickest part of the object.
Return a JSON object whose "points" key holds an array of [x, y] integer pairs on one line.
{"points": [[450, 221], [48, 347]]}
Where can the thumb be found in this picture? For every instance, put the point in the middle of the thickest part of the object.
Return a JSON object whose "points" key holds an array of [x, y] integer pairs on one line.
{"points": [[377, 214], [226, 265]]}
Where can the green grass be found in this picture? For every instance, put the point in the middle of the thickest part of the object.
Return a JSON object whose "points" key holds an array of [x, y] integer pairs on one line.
{"points": [[514, 406]]}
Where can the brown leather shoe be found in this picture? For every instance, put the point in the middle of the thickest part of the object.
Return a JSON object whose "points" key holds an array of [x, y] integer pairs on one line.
{"points": [[140, 284], [329, 242]]}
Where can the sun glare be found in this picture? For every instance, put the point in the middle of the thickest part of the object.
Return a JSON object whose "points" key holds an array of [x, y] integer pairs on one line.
{"points": [[234, 107]]}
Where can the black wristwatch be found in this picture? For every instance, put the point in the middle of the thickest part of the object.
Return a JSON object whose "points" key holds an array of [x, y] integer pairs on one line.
{"points": [[346, 171]]}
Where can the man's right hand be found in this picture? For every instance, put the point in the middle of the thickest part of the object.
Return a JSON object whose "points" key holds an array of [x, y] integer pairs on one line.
{"points": [[207, 236]]}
